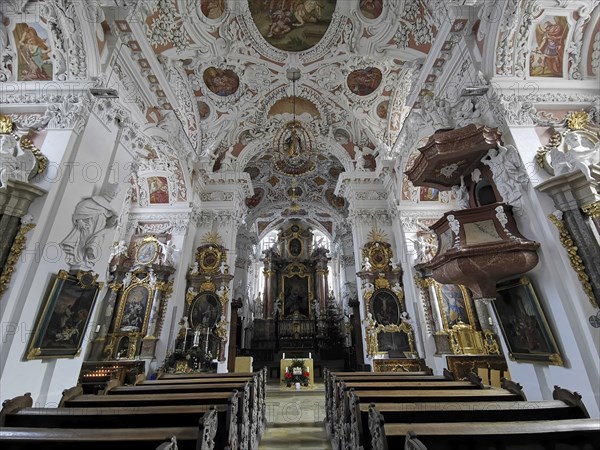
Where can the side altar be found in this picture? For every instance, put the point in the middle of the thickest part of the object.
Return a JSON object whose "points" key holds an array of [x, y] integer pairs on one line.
{"points": [[287, 366]]}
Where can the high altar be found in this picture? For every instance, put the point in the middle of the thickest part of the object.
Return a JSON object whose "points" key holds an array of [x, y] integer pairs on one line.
{"points": [[296, 292]]}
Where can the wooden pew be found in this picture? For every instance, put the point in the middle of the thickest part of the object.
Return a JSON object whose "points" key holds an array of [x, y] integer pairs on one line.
{"points": [[175, 388], [339, 416], [200, 437], [175, 382], [418, 385], [570, 407], [131, 416], [344, 424], [332, 378], [183, 376], [546, 434]]}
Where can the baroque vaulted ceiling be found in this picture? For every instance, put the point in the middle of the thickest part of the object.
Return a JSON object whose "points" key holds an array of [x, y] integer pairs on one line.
{"points": [[226, 64], [375, 76]]}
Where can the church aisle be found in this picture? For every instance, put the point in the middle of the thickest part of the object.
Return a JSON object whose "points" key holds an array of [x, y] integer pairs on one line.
{"points": [[295, 419]]}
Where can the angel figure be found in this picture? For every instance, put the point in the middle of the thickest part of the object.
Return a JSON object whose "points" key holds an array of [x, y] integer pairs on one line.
{"points": [[152, 279], [195, 270], [127, 280], [366, 264]]}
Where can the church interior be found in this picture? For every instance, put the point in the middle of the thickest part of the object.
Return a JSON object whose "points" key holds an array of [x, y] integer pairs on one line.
{"points": [[221, 208]]}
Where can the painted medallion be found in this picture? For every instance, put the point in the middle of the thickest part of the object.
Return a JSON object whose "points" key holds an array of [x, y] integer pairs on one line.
{"points": [[292, 25], [222, 82], [364, 81], [371, 9]]}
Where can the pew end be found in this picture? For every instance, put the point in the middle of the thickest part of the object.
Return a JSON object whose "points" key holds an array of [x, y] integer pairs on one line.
{"points": [[14, 405], [570, 398], [111, 385], [449, 375], [69, 394], [513, 387], [139, 379], [413, 443], [476, 380], [170, 444]]}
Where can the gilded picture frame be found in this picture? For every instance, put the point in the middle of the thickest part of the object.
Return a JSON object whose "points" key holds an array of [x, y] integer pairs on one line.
{"points": [[293, 282], [386, 307], [524, 326], [147, 251], [63, 320], [134, 308], [455, 305], [205, 310]]}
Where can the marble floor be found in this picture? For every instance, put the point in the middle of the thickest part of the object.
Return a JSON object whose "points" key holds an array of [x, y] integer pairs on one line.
{"points": [[295, 419]]}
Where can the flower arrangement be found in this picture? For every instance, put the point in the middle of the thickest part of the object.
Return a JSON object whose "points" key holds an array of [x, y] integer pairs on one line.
{"points": [[297, 372]]}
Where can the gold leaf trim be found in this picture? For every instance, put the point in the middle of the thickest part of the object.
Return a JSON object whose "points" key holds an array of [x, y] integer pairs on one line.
{"points": [[592, 210], [576, 262], [13, 256]]}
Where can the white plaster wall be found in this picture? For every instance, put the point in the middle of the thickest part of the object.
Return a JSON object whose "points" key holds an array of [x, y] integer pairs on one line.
{"points": [[565, 305], [46, 379]]}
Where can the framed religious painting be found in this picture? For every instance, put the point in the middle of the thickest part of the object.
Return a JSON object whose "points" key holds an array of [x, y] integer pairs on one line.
{"points": [[385, 307], [134, 309], [147, 251], [523, 323], [204, 311], [455, 305], [63, 320]]}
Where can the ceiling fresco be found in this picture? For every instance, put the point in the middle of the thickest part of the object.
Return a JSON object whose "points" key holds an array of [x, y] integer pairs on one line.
{"points": [[365, 66]]}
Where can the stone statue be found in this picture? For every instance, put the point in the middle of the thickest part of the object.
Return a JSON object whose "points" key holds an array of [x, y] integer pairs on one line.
{"points": [[224, 268], [119, 248], [461, 194], [368, 289], [258, 307], [127, 280], [359, 158], [92, 216], [277, 308], [152, 279], [16, 163], [316, 308], [580, 154], [509, 173], [169, 251], [366, 264], [195, 270], [222, 291]]}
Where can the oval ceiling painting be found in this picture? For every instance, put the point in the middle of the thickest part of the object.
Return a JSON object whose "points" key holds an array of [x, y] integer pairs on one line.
{"points": [[213, 9], [222, 82], [292, 25], [364, 81], [371, 9]]}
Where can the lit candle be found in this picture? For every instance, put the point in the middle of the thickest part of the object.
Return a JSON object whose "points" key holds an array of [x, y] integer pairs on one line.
{"points": [[284, 356], [309, 355], [490, 321]]}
